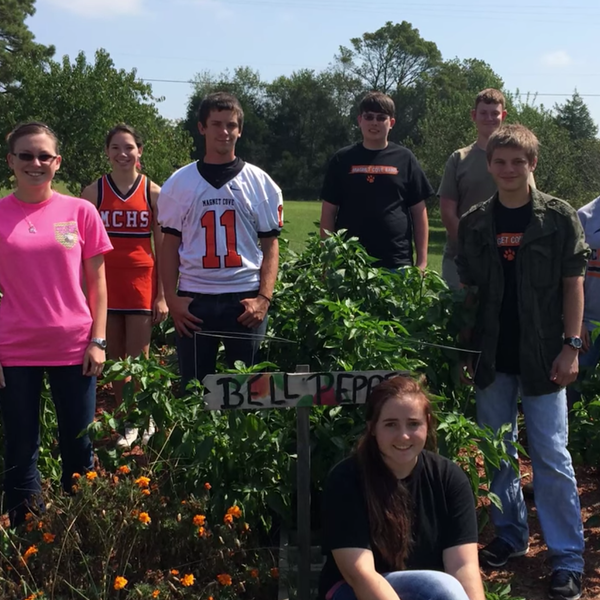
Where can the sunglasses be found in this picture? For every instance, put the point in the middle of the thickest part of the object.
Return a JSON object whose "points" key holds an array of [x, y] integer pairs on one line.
{"points": [[29, 157], [375, 117]]}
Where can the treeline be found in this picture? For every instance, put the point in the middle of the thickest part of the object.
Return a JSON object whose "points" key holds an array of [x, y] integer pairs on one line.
{"points": [[294, 123]]}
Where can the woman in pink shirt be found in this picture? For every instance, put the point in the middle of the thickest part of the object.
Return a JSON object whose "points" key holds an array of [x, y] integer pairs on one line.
{"points": [[47, 325]]}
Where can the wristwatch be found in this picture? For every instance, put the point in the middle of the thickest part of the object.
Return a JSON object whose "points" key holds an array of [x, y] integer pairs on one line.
{"points": [[575, 342], [101, 343]]}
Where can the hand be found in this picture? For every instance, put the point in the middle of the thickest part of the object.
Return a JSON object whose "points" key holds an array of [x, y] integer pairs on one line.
{"points": [[466, 372], [185, 322], [422, 265], [160, 310], [2, 380], [585, 338], [255, 311], [565, 367], [93, 360]]}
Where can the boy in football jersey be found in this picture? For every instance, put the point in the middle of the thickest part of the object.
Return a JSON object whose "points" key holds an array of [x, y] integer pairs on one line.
{"points": [[221, 217], [377, 190]]}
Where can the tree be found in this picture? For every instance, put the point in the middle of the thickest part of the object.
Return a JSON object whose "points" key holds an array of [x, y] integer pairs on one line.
{"points": [[575, 117], [17, 41], [81, 102], [392, 57]]}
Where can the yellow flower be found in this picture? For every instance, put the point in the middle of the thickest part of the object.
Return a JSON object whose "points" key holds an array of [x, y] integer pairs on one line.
{"points": [[30, 552], [156, 593], [142, 481], [187, 580], [91, 475], [234, 511], [228, 519], [124, 470], [224, 579], [144, 518], [120, 583], [49, 538], [199, 520], [146, 492]]}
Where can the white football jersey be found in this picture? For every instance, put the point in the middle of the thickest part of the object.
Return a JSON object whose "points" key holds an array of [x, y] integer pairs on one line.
{"points": [[220, 228]]}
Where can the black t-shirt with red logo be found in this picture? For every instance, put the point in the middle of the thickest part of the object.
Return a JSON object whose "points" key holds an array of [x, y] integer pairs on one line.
{"points": [[510, 226], [374, 190]]}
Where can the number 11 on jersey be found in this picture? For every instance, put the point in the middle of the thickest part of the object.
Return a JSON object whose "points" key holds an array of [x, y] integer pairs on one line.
{"points": [[211, 259]]}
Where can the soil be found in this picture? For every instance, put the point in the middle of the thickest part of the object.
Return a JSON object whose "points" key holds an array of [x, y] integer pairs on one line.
{"points": [[528, 576]]}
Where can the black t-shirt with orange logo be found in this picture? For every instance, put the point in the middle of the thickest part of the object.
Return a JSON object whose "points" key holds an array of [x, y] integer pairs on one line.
{"points": [[510, 225], [374, 190]]}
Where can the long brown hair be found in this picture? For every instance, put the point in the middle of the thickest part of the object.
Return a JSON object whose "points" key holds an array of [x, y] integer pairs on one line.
{"points": [[389, 504]]}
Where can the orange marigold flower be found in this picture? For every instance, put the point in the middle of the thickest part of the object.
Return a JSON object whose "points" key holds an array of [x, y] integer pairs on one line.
{"points": [[49, 538], [91, 475], [115, 479], [29, 526], [30, 552], [76, 476], [202, 532], [207, 486], [135, 513], [174, 572], [156, 593], [41, 525], [144, 518], [28, 517], [74, 488], [274, 572], [146, 492], [228, 519], [120, 583], [234, 511], [254, 573], [224, 579], [124, 470], [184, 502], [187, 580], [142, 481], [199, 520], [210, 598]]}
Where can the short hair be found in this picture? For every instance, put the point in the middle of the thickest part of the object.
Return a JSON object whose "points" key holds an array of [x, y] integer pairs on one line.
{"points": [[377, 102], [30, 128], [490, 96], [124, 128], [513, 136], [220, 101]]}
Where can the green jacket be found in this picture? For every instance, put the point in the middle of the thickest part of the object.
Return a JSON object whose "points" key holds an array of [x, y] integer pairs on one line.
{"points": [[553, 247]]}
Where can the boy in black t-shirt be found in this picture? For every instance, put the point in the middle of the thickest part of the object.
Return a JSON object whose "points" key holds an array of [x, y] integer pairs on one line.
{"points": [[377, 190], [522, 255]]}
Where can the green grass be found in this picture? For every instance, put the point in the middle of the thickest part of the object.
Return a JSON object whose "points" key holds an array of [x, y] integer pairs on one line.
{"points": [[301, 218]]}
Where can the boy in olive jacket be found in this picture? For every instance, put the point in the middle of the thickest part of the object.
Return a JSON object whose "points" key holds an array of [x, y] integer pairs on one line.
{"points": [[522, 255]]}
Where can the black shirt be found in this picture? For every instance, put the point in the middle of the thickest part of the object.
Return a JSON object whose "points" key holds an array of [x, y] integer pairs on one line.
{"points": [[219, 175], [444, 515], [374, 190], [510, 225]]}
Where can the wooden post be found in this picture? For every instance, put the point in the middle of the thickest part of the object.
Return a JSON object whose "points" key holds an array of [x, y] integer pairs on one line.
{"points": [[303, 481]]}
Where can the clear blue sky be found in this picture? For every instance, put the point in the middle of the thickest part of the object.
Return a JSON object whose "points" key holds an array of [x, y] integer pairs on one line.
{"points": [[543, 46]]}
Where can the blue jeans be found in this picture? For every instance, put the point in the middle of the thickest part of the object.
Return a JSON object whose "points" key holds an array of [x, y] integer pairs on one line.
{"points": [[414, 585], [219, 313], [74, 397], [587, 362], [556, 496]]}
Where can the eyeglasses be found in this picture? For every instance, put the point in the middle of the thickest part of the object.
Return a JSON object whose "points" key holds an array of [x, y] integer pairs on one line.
{"points": [[380, 118], [29, 157]]}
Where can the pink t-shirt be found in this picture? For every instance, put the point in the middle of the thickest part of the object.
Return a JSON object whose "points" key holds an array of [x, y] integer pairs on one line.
{"points": [[45, 319]]}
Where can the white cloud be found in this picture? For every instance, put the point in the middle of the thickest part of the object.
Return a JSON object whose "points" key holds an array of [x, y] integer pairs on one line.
{"points": [[101, 8], [557, 59]]}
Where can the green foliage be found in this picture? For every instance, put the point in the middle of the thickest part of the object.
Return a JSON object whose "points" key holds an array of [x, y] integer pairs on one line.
{"points": [[61, 95], [123, 526], [574, 116], [499, 591]]}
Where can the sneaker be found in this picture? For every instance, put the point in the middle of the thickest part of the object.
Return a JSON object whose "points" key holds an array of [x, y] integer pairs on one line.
{"points": [[565, 585], [497, 553], [126, 441]]}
